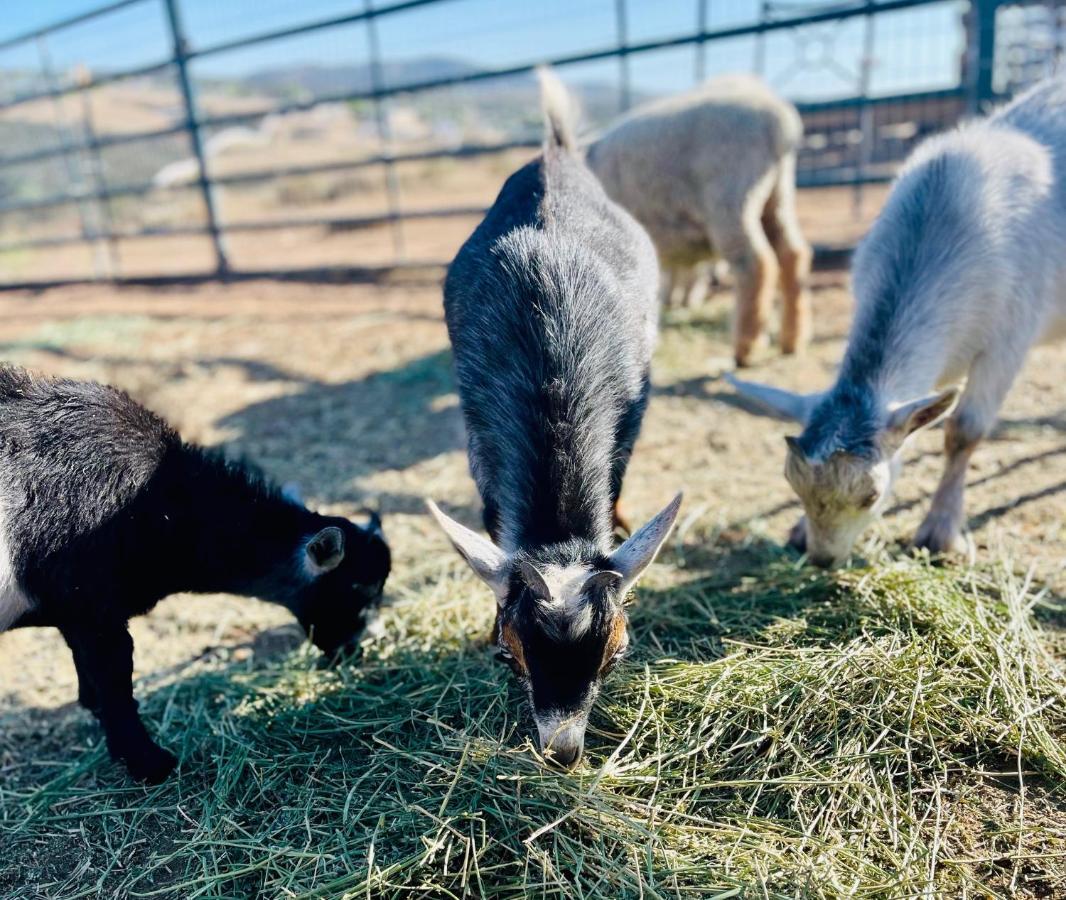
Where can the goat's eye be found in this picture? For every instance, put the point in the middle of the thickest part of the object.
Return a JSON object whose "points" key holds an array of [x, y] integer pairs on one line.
{"points": [[869, 500]]}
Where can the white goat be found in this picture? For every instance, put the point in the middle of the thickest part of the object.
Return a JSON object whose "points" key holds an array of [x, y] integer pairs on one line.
{"points": [[711, 173], [962, 273]]}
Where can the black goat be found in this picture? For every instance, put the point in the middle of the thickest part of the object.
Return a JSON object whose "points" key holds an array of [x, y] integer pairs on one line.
{"points": [[104, 511], [552, 311]]}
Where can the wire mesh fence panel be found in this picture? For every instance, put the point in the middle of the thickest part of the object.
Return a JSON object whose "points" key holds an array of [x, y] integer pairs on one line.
{"points": [[273, 135]]}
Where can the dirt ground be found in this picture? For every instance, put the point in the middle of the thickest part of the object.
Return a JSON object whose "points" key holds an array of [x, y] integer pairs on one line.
{"points": [[347, 389]]}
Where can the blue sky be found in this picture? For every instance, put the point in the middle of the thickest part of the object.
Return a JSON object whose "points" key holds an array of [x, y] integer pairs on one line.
{"points": [[914, 49]]}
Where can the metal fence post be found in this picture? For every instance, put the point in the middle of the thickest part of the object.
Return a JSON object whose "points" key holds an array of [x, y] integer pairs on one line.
{"points": [[96, 170], [625, 81], [702, 14], [381, 116], [74, 174], [192, 125], [984, 67], [866, 118], [758, 63]]}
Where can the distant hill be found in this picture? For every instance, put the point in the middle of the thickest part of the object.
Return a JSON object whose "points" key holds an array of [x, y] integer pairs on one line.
{"points": [[509, 102]]}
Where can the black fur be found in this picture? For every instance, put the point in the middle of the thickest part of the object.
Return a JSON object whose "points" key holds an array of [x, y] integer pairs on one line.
{"points": [[552, 309], [107, 511]]}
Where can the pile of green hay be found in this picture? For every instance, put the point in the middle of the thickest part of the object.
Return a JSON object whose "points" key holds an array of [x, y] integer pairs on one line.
{"points": [[889, 732]]}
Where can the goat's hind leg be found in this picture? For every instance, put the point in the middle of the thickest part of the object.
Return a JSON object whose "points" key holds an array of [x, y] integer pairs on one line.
{"points": [[103, 657], [625, 437]]}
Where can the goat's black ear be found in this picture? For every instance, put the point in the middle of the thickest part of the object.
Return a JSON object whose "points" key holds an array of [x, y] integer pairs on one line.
{"points": [[373, 523], [325, 550], [608, 581]]}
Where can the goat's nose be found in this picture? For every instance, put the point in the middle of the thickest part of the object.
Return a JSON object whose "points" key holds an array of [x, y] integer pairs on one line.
{"points": [[567, 756], [562, 742], [823, 560]]}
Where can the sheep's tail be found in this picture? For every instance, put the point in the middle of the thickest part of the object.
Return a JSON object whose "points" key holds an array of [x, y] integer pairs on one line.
{"points": [[791, 134], [560, 111]]}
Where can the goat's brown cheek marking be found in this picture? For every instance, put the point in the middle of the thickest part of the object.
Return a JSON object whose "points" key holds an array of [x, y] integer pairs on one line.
{"points": [[514, 645], [615, 639]]}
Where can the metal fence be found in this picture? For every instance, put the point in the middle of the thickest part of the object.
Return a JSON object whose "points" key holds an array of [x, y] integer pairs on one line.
{"points": [[90, 191]]}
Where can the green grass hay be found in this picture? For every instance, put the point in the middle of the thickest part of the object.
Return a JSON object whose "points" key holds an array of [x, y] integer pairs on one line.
{"points": [[892, 733]]}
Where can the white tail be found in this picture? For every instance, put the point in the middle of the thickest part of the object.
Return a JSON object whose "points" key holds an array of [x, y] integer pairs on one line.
{"points": [[560, 110]]}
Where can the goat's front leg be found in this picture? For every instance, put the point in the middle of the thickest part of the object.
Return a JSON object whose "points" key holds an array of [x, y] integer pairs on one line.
{"points": [[797, 535], [103, 657], [989, 379], [941, 531]]}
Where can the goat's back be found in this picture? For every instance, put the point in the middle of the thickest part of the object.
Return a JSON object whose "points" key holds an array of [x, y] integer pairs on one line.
{"points": [[966, 251], [72, 453], [552, 311]]}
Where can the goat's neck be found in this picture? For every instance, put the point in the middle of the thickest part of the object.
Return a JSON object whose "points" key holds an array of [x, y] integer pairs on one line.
{"points": [[228, 535]]}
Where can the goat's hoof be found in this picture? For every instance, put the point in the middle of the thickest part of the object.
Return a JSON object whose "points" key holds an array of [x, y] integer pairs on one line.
{"points": [[794, 346], [797, 536], [942, 539], [151, 765]]}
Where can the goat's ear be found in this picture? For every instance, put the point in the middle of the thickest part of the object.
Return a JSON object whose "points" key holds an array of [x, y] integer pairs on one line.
{"points": [[609, 581], [905, 420], [636, 554], [325, 550], [795, 447], [535, 581], [487, 560], [784, 404], [373, 523]]}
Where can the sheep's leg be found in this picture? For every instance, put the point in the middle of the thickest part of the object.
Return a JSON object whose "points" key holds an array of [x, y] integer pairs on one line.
{"points": [[794, 257], [754, 266], [989, 379], [103, 656]]}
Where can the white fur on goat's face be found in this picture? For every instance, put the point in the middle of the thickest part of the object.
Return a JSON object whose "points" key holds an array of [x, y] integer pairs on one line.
{"points": [[841, 495]]}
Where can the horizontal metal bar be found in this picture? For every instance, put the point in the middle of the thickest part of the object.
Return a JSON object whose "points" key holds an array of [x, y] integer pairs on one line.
{"points": [[836, 14], [318, 25], [268, 174], [341, 223], [101, 80], [66, 199], [826, 258], [111, 140], [462, 152], [433, 270], [821, 106], [354, 223], [810, 108], [849, 177], [7, 43]]}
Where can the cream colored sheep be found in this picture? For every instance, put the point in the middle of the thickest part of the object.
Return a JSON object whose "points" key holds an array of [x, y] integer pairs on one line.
{"points": [[711, 174]]}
